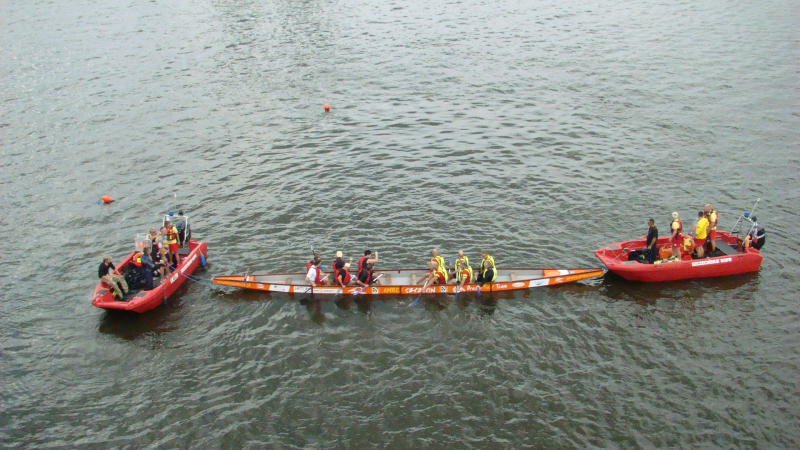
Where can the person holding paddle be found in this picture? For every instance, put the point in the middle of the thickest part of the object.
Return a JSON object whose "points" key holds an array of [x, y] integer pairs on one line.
{"points": [[463, 274], [436, 275], [439, 261], [488, 271], [461, 257], [341, 276]]}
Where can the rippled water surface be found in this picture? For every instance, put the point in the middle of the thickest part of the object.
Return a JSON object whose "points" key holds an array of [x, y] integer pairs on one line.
{"points": [[538, 130]]}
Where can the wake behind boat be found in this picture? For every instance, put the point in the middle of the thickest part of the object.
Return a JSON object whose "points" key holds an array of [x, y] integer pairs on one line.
{"points": [[404, 282]]}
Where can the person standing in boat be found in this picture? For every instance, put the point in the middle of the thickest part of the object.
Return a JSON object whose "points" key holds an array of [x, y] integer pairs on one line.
{"points": [[436, 274], [172, 241], [677, 228], [341, 276], [488, 271], [712, 216], [700, 233], [148, 266], [108, 273], [652, 241]]}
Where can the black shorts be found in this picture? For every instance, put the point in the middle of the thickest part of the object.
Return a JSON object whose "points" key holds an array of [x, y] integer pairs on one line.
{"points": [[363, 275]]}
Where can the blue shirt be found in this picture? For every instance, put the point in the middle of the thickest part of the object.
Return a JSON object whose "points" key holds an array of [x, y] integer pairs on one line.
{"points": [[147, 261]]}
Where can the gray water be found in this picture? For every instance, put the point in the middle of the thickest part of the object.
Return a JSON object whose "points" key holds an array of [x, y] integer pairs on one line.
{"points": [[539, 131]]}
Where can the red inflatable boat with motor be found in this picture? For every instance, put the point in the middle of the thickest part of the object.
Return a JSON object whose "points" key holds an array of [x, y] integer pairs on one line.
{"points": [[192, 255]]}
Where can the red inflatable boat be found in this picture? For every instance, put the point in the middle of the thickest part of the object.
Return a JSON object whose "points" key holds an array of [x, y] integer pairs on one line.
{"points": [[730, 258]]}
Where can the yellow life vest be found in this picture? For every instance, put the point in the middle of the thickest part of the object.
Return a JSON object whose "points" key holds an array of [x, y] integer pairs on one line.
{"points": [[137, 259], [466, 262], [440, 261], [490, 265], [443, 272]]}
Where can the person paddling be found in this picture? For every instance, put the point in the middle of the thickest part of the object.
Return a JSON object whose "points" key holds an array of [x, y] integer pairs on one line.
{"points": [[436, 275], [488, 271], [461, 257], [341, 276], [366, 259], [314, 275], [463, 274]]}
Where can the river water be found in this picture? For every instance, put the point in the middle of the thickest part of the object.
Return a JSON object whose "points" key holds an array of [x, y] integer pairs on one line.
{"points": [[540, 131]]}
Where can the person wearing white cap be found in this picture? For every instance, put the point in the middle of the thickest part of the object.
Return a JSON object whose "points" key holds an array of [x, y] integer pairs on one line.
{"points": [[677, 228]]}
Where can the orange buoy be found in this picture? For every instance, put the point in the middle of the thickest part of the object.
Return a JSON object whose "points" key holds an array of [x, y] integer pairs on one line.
{"points": [[327, 107], [106, 199]]}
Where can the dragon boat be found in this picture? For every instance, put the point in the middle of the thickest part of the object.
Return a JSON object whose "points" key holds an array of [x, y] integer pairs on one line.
{"points": [[406, 282]]}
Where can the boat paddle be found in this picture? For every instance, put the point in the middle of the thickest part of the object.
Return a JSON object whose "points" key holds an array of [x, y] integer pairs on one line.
{"points": [[312, 287], [376, 279], [420, 292]]}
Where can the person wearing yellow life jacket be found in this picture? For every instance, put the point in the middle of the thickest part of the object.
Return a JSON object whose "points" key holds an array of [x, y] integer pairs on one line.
{"points": [[439, 261], [172, 241], [461, 257], [713, 217], [436, 274], [488, 271], [677, 228], [463, 274], [700, 233]]}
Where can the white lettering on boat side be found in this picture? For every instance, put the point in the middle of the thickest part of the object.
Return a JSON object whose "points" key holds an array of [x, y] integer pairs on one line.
{"points": [[279, 288], [711, 261]]}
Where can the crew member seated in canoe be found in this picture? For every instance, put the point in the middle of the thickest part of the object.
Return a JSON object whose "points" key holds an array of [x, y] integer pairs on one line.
{"points": [[463, 274], [677, 227], [461, 257], [367, 259], [436, 275], [488, 271], [440, 261], [341, 275], [314, 275], [700, 233]]}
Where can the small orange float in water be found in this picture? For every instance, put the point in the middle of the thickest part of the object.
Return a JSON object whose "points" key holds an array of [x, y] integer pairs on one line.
{"points": [[327, 107], [106, 199]]}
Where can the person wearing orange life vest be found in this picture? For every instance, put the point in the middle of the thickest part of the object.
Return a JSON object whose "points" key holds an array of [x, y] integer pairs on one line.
{"points": [[712, 217], [677, 228], [341, 275], [172, 241], [436, 275]]}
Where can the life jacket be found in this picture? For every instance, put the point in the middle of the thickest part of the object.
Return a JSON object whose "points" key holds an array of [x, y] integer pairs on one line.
{"points": [[172, 235], [336, 274], [680, 226], [442, 274], [688, 245], [712, 225], [465, 272], [463, 258], [485, 267], [439, 260], [137, 260], [361, 263], [318, 278]]}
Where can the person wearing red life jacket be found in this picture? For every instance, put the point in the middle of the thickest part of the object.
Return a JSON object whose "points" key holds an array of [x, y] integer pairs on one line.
{"points": [[341, 275], [314, 274], [677, 229], [366, 275]]}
